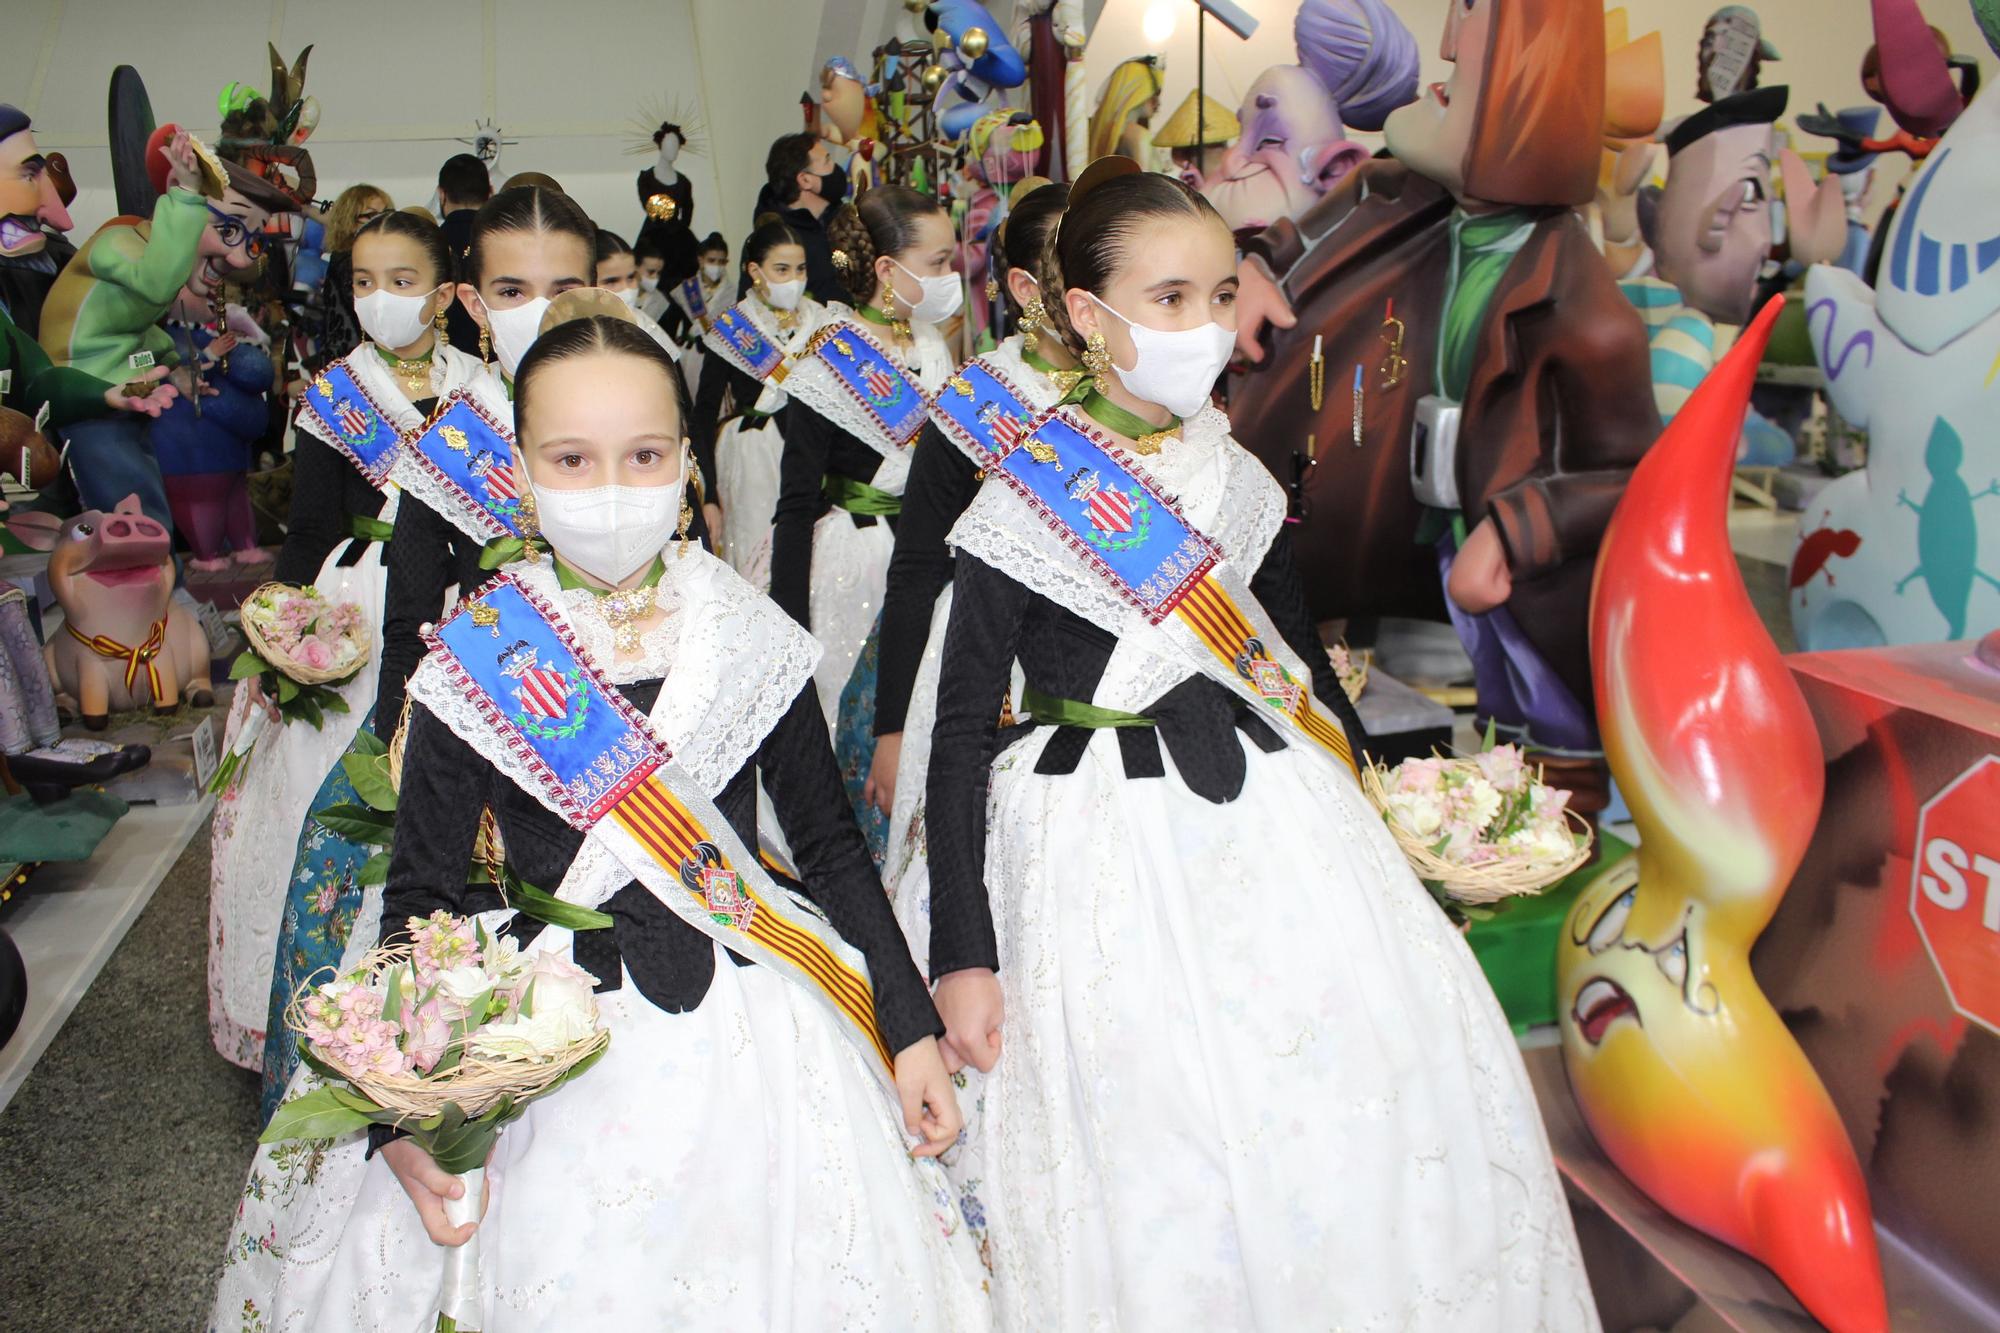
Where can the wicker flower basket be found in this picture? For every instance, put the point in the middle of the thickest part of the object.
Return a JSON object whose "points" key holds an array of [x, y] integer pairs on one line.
{"points": [[476, 1084], [1483, 884], [293, 669]]}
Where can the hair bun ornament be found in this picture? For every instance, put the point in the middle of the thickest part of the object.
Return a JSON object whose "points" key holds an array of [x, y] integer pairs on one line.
{"points": [[585, 303], [1107, 168], [842, 261]]}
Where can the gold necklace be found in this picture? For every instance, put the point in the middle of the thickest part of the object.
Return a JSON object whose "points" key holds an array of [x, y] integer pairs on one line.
{"points": [[415, 374], [623, 611]]}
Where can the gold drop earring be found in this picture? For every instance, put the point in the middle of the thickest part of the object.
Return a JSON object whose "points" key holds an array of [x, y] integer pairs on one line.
{"points": [[1097, 359], [687, 521], [1032, 318], [442, 325], [485, 345]]}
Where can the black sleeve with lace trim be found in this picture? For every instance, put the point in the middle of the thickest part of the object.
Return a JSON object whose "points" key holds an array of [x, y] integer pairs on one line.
{"points": [[420, 560], [800, 774], [446, 784], [980, 645]]}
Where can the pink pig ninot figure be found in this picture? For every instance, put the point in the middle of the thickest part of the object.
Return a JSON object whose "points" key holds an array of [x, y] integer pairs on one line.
{"points": [[125, 643]]}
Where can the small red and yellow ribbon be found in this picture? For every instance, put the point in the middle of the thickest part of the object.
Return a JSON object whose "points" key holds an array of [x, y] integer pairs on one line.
{"points": [[142, 656], [1219, 623]]}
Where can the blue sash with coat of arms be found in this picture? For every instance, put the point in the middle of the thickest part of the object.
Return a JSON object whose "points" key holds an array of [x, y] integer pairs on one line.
{"points": [[865, 371], [742, 342], [696, 303], [594, 759], [471, 456], [349, 418], [1132, 536]]}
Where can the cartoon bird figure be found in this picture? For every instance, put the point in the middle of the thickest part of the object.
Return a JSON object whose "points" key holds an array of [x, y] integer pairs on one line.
{"points": [[1683, 1070]]}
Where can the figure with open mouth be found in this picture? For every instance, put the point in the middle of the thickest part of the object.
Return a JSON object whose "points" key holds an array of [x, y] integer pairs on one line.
{"points": [[102, 316], [1502, 386]]}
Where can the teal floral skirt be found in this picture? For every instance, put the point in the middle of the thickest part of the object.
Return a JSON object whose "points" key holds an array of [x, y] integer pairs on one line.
{"points": [[322, 899], [854, 742]]}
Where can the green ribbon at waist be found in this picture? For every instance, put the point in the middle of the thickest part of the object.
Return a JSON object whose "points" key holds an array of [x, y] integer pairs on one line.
{"points": [[858, 497], [367, 528], [1051, 711], [540, 905]]}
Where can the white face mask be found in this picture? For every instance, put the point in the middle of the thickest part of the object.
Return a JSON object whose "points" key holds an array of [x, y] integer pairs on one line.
{"points": [[942, 296], [610, 532], [629, 295], [392, 320], [713, 272], [515, 330], [1177, 368], [784, 295], [649, 284]]}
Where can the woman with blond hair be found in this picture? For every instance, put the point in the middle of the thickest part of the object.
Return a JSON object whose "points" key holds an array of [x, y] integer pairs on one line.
{"points": [[332, 325], [1125, 112]]}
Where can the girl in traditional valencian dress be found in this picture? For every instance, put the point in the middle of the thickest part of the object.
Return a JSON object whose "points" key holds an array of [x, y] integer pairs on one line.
{"points": [[1240, 1072], [267, 928], [738, 1158], [858, 403]]}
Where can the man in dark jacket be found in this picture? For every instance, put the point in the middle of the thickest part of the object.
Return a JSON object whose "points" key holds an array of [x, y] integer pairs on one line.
{"points": [[1504, 392], [802, 186], [463, 186]]}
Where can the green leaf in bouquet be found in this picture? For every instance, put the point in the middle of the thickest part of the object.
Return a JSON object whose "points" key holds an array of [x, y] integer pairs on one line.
{"points": [[392, 995], [368, 743], [370, 775], [309, 709], [332, 702], [1491, 736], [375, 870], [248, 664], [528, 1001], [577, 1068], [288, 689], [319, 1114], [357, 823]]}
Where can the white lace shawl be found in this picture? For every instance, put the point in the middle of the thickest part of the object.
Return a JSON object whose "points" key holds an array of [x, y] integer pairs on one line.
{"points": [[928, 361], [730, 664], [1223, 491], [484, 386], [450, 370]]}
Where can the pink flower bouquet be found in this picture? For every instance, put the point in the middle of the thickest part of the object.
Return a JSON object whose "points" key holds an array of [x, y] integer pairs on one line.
{"points": [[447, 1037], [1479, 829], [301, 648]]}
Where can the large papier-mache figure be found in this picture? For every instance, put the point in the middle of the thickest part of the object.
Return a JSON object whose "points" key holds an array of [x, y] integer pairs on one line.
{"points": [[1482, 391], [1907, 550], [1683, 1068]]}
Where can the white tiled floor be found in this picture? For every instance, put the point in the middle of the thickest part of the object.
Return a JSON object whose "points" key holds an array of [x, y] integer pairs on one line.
{"points": [[72, 916]]}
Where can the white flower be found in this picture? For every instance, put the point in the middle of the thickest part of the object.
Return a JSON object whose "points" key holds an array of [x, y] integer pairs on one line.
{"points": [[1416, 812], [1479, 802], [460, 986], [550, 1030]]}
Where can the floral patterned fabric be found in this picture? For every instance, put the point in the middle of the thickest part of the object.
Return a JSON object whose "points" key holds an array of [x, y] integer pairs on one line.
{"points": [[854, 742], [322, 898]]}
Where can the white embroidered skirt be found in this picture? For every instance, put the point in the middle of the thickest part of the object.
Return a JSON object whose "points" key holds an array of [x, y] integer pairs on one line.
{"points": [[732, 1168], [1250, 1076], [257, 823]]}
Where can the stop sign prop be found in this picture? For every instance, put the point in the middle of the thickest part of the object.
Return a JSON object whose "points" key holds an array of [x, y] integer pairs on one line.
{"points": [[1955, 889]]}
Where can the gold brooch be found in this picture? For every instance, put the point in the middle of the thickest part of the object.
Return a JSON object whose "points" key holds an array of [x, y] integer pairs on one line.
{"points": [[960, 385], [486, 617], [1149, 444], [1042, 452], [324, 386], [454, 438]]}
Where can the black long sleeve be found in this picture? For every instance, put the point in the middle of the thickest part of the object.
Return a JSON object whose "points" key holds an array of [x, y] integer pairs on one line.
{"points": [[427, 555], [981, 642], [798, 768], [1277, 586], [326, 490], [814, 447], [446, 784], [725, 391], [942, 483]]}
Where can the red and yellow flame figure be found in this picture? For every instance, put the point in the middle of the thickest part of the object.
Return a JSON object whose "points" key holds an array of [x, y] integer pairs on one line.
{"points": [[1683, 1070]]}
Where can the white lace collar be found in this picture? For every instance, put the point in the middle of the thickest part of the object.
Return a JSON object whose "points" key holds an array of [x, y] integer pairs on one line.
{"points": [[1037, 390]]}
